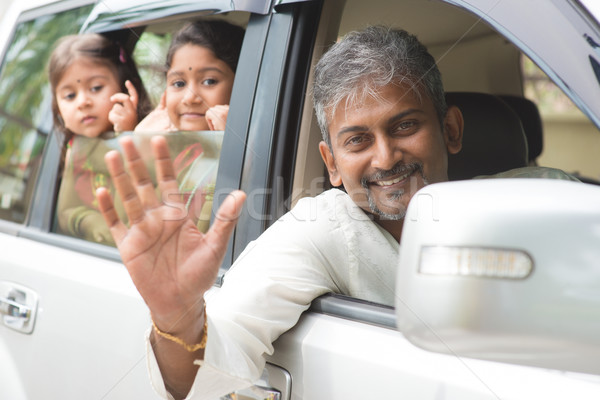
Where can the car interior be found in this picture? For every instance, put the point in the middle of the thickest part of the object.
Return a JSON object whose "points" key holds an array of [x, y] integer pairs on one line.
{"points": [[484, 75], [508, 123]]}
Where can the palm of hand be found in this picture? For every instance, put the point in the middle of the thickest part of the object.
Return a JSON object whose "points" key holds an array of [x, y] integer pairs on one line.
{"points": [[170, 261]]}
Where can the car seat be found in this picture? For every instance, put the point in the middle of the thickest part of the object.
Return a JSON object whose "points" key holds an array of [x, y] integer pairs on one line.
{"points": [[532, 124], [493, 137]]}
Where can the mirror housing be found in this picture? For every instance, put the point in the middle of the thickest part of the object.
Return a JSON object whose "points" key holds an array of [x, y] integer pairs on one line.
{"points": [[504, 270]]}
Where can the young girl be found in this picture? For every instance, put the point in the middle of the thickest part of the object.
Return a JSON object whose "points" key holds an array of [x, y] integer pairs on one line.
{"points": [[200, 68], [96, 90], [201, 64]]}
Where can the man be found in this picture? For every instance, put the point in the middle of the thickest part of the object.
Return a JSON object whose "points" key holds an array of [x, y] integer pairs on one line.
{"points": [[387, 132]]}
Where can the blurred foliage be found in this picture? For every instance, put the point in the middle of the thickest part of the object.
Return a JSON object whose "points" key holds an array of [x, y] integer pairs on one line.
{"points": [[549, 98], [150, 55], [25, 97]]}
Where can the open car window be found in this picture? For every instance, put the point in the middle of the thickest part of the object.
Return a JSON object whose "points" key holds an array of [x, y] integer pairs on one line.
{"points": [[195, 153], [473, 57], [24, 105]]}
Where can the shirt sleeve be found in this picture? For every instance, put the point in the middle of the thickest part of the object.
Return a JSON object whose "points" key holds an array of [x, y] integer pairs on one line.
{"points": [[532, 173], [263, 295]]}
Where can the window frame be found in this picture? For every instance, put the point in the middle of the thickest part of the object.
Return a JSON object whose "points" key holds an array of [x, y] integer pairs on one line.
{"points": [[40, 225], [32, 213]]}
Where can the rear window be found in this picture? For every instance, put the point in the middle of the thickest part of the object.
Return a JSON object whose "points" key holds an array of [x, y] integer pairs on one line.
{"points": [[24, 106]]}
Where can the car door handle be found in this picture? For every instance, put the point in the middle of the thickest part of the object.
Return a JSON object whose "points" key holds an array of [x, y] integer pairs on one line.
{"points": [[274, 384], [18, 306], [10, 307]]}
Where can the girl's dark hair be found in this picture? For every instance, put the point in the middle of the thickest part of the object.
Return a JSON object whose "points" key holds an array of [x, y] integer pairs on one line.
{"points": [[221, 37], [103, 51]]}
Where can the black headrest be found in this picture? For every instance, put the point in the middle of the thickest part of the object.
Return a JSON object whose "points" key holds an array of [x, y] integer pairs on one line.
{"points": [[532, 123], [493, 138]]}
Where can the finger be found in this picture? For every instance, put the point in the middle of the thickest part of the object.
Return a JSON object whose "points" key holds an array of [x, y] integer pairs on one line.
{"points": [[163, 100], [123, 105], [165, 172], [126, 105], [216, 117], [140, 176], [119, 98], [115, 118], [224, 223], [209, 120], [118, 230], [222, 109], [124, 186], [222, 112], [133, 94]]}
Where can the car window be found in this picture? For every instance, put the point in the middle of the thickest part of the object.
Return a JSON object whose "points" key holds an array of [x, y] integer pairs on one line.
{"points": [[473, 56], [24, 107], [152, 44], [564, 127], [149, 56], [195, 154]]}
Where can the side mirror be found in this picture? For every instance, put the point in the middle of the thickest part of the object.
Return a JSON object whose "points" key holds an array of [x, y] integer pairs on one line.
{"points": [[505, 270]]}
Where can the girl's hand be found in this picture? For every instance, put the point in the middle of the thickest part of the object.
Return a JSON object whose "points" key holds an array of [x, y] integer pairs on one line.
{"points": [[170, 261], [123, 114], [158, 120], [216, 117]]}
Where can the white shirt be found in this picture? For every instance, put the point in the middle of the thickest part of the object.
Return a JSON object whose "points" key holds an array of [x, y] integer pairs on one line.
{"points": [[324, 244]]}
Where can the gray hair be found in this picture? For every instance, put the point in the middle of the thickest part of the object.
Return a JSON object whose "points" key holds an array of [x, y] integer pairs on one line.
{"points": [[362, 62]]}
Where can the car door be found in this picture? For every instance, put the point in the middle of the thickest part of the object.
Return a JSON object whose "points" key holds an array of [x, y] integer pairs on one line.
{"points": [[347, 348], [73, 324]]}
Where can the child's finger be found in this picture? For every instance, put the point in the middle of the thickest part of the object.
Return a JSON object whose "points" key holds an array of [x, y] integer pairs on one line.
{"points": [[133, 94], [118, 116], [123, 114], [115, 117], [216, 117], [119, 98], [209, 121], [163, 101]]}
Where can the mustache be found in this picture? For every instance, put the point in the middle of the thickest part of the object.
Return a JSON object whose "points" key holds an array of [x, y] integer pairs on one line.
{"points": [[399, 168]]}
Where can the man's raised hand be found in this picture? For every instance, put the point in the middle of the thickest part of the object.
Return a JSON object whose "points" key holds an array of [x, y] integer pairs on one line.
{"points": [[170, 261]]}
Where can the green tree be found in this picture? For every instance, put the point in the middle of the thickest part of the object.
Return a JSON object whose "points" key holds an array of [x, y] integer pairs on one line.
{"points": [[25, 97]]}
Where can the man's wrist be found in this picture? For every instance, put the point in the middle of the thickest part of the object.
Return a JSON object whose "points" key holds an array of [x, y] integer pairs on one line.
{"points": [[188, 328], [190, 347]]}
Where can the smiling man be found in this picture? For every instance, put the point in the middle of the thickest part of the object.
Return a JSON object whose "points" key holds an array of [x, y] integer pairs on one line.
{"points": [[387, 132], [386, 128], [386, 148]]}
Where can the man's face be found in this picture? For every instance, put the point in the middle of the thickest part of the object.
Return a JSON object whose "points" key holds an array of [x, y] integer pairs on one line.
{"points": [[386, 149]]}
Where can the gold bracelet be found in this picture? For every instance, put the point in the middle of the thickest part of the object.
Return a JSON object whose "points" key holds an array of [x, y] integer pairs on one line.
{"points": [[189, 347]]}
